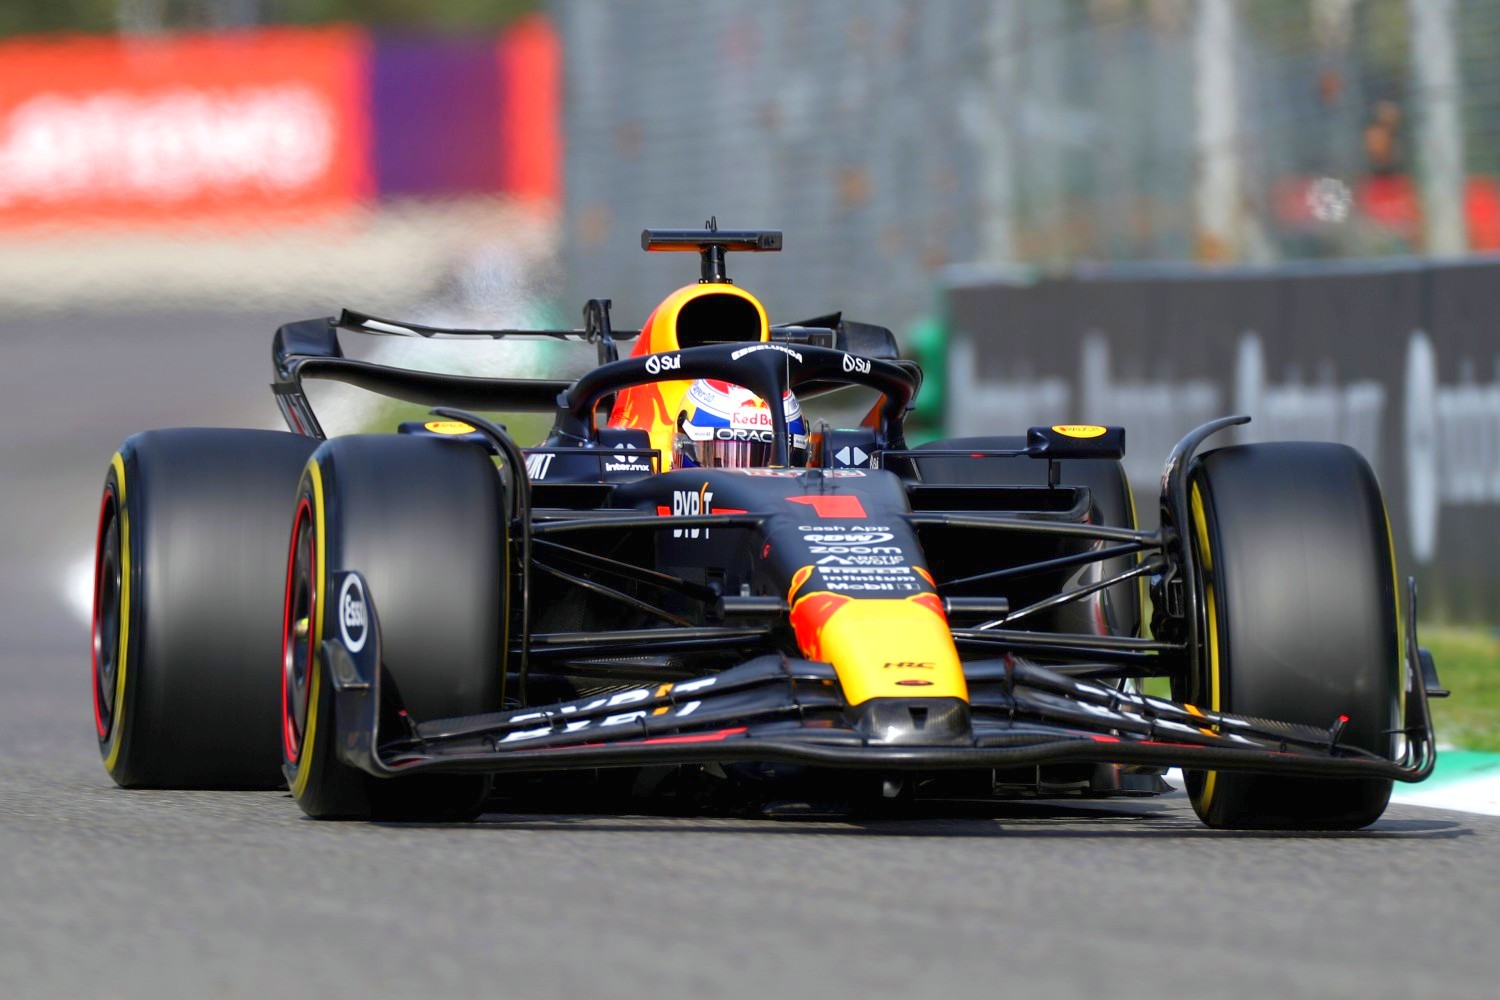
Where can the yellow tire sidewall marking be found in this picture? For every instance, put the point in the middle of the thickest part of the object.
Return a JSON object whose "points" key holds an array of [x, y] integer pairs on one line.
{"points": [[309, 736], [1401, 626], [1215, 702], [117, 724], [1140, 557]]}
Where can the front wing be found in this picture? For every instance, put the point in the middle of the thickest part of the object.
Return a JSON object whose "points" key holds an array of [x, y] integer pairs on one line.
{"points": [[777, 709]]}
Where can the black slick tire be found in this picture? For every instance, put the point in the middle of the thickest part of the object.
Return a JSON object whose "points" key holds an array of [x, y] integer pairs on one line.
{"points": [[187, 604], [425, 522], [1301, 623]]}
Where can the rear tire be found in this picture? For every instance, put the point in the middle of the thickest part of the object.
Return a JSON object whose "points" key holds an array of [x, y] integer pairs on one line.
{"points": [[425, 522], [187, 599], [1301, 623]]}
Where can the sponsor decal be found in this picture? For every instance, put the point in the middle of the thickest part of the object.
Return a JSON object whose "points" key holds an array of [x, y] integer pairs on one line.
{"points": [[902, 571], [837, 535], [1078, 430], [658, 363], [537, 465], [692, 503], [849, 455], [448, 427], [794, 473], [631, 459], [842, 527], [354, 617], [832, 505], [910, 665], [890, 579], [751, 415], [765, 347], [856, 364], [744, 433], [862, 560], [854, 550], [914, 682], [559, 722]]}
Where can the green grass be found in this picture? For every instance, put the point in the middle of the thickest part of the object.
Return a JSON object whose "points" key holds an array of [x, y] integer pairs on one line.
{"points": [[1468, 662], [527, 429]]}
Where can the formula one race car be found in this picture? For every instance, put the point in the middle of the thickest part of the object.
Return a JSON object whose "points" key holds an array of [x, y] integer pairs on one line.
{"points": [[687, 578]]}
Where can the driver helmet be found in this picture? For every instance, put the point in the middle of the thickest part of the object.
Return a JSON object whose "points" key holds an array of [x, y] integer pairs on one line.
{"points": [[729, 427]]}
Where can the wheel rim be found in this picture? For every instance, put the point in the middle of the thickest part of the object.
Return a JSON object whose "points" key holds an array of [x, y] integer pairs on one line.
{"points": [[106, 617], [297, 632]]}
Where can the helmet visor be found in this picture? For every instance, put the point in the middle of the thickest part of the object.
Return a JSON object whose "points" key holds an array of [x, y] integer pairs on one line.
{"points": [[733, 454]]}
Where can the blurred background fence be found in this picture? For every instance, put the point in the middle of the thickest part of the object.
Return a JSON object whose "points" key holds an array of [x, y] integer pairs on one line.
{"points": [[895, 139]]}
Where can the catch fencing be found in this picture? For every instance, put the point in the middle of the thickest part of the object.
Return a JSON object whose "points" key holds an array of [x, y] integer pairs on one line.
{"points": [[892, 139]]}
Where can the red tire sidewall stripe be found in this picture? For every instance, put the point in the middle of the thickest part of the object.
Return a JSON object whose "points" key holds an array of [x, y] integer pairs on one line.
{"points": [[94, 637], [290, 739]]}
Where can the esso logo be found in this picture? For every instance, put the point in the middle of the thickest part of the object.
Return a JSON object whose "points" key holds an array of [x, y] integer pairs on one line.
{"points": [[658, 363], [354, 617], [853, 364]]}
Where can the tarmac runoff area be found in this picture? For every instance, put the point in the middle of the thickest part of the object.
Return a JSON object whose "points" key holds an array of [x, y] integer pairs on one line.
{"points": [[233, 894]]}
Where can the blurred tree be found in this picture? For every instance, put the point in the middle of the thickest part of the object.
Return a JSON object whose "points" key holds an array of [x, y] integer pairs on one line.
{"points": [[441, 15], [18, 17]]}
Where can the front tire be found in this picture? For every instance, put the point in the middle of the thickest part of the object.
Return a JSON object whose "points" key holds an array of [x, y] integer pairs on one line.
{"points": [[425, 522], [1298, 592]]}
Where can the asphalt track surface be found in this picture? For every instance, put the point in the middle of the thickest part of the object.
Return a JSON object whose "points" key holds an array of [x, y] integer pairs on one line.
{"points": [[193, 894]]}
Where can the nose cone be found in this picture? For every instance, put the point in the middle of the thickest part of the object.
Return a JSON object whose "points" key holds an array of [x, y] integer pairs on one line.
{"points": [[882, 647], [932, 722]]}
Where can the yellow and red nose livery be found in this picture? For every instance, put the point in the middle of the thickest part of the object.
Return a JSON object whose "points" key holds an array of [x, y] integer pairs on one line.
{"points": [[881, 647], [686, 318]]}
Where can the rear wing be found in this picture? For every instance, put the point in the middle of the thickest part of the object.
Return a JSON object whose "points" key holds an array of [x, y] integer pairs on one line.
{"points": [[310, 349]]}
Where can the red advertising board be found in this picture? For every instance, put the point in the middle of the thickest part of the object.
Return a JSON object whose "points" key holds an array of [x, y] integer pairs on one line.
{"points": [[530, 61], [238, 127]]}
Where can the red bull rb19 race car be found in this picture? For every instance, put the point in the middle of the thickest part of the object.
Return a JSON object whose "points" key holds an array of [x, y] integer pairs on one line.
{"points": [[684, 579]]}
